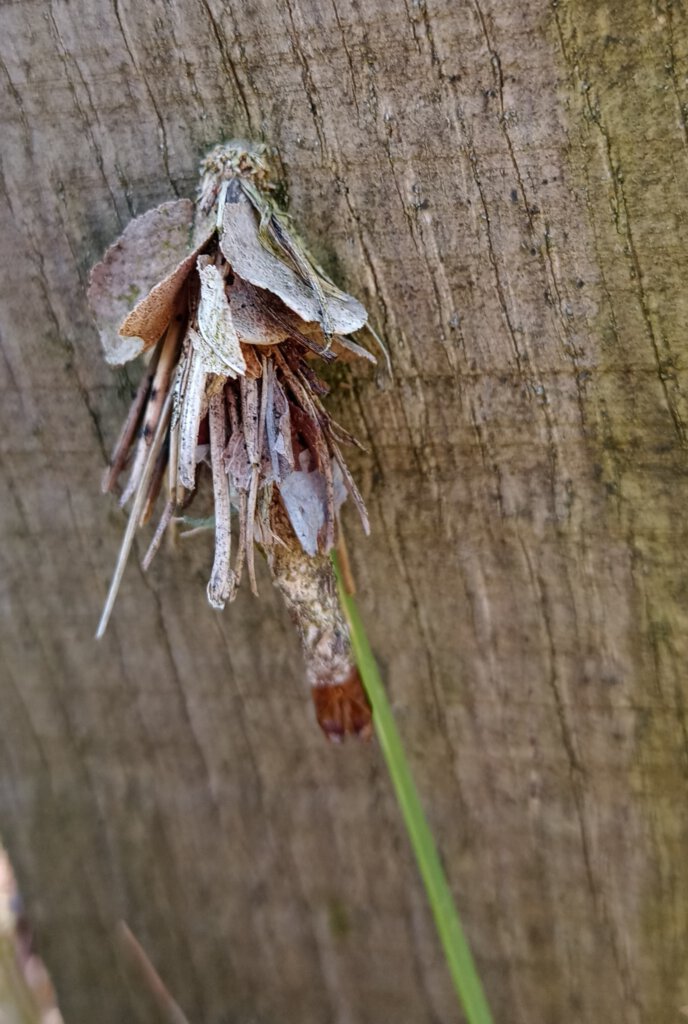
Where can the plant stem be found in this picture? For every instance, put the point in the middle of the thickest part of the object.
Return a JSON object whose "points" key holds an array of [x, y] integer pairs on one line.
{"points": [[456, 950]]}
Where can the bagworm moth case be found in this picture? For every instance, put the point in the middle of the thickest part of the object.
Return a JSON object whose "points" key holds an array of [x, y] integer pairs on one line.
{"points": [[229, 310]]}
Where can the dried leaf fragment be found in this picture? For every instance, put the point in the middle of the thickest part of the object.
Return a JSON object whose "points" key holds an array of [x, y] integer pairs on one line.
{"points": [[257, 319], [148, 251], [242, 248]]}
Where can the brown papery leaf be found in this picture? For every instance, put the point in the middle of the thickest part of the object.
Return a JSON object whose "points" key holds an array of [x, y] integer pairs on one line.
{"points": [[149, 318], [148, 250], [304, 494], [254, 320]]}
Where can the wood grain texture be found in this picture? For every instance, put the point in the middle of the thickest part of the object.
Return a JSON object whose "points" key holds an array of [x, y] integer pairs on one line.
{"points": [[504, 185]]}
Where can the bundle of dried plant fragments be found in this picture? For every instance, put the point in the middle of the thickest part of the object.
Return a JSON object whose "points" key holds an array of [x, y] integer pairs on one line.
{"points": [[230, 309]]}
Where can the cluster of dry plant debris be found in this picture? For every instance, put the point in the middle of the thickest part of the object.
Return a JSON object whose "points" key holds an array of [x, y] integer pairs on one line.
{"points": [[231, 310]]}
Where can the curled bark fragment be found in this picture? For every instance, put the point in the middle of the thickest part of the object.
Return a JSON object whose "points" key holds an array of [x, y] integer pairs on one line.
{"points": [[217, 337], [190, 413], [220, 583]]}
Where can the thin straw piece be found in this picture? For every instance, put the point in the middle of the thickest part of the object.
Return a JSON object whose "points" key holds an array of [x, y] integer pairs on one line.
{"points": [[135, 514]]}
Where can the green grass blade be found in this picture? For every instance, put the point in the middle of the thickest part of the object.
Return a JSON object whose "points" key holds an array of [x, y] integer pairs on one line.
{"points": [[456, 949]]}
